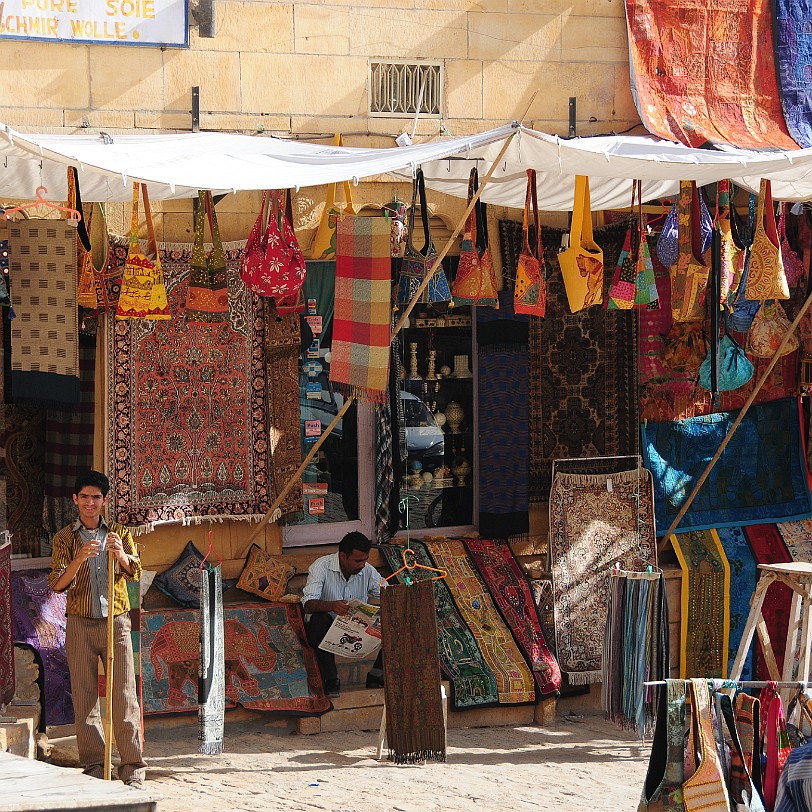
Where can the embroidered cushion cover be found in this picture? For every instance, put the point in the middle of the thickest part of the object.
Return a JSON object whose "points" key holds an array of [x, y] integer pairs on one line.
{"points": [[181, 581], [265, 575]]}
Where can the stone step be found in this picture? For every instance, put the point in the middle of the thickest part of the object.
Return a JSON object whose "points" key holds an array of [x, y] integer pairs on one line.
{"points": [[17, 736]]}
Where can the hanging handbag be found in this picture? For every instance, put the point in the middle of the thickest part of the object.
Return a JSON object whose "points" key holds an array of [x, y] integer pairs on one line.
{"points": [[530, 290], [775, 739], [582, 263], [416, 265], [272, 263], [324, 241], [767, 331], [728, 250], [734, 368], [86, 294], [793, 265], [689, 277], [766, 278], [475, 282], [143, 291], [668, 241], [685, 346], [207, 292]]}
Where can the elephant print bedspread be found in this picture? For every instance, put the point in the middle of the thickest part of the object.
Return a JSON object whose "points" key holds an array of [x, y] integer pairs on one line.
{"points": [[268, 664]]}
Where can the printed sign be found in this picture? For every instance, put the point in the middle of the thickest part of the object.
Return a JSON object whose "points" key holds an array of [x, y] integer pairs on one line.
{"points": [[161, 23], [312, 428], [314, 322], [315, 505], [313, 390], [314, 488]]}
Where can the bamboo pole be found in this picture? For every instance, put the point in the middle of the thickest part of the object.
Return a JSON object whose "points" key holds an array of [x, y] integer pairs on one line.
{"points": [[108, 673], [748, 403], [397, 328]]}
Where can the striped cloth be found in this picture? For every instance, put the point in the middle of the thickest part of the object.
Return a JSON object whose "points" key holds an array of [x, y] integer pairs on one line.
{"points": [[360, 351]]}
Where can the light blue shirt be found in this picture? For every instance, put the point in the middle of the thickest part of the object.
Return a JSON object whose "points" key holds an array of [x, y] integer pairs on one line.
{"points": [[96, 567], [326, 582], [795, 784]]}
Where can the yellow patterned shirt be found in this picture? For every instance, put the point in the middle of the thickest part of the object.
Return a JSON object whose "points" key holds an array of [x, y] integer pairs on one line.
{"points": [[67, 543]]}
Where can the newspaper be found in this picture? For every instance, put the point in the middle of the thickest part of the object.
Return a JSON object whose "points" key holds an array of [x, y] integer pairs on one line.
{"points": [[356, 635]]}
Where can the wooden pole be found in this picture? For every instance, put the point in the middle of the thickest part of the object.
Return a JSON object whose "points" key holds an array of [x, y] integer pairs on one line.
{"points": [[748, 403], [108, 673], [397, 328]]}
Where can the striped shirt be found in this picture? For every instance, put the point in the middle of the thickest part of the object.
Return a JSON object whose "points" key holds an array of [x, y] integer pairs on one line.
{"points": [[795, 784], [97, 567], [326, 582], [66, 544]]}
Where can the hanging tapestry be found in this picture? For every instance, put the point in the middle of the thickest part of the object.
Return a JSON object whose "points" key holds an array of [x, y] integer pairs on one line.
{"points": [[69, 444], [44, 334], [510, 590], [596, 521], [761, 475], [38, 618], [188, 408], [473, 684], [513, 677], [22, 457], [211, 689], [414, 713], [743, 577], [706, 73], [797, 537], [793, 56], [268, 664], [283, 339], [769, 548], [363, 307], [705, 623], [7, 684], [583, 373], [503, 415], [544, 599]]}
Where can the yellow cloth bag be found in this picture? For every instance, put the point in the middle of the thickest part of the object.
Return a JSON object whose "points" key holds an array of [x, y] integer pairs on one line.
{"points": [[324, 243], [582, 263], [143, 291]]}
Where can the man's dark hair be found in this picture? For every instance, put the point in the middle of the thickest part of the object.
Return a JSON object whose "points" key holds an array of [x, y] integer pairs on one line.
{"points": [[354, 541], [95, 479]]}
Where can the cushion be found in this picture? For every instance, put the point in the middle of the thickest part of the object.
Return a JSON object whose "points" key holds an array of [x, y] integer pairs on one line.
{"points": [[147, 577], [182, 580], [265, 575]]}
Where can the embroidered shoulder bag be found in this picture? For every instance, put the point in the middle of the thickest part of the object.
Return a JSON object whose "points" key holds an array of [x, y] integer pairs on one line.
{"points": [[767, 331], [668, 241], [582, 263], [475, 282], [207, 293], [766, 278], [689, 277], [416, 265], [530, 290], [143, 291], [324, 242], [793, 266]]}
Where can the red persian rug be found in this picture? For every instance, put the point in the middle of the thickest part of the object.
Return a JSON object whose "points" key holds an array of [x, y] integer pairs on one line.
{"points": [[189, 413], [706, 72]]}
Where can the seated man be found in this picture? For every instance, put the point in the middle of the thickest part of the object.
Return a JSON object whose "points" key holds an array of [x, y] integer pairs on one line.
{"points": [[332, 581]]}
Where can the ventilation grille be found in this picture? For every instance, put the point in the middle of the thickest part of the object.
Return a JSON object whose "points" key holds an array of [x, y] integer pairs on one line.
{"points": [[395, 89]]}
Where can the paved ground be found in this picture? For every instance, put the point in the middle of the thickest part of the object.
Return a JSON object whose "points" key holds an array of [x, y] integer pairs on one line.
{"points": [[579, 765]]}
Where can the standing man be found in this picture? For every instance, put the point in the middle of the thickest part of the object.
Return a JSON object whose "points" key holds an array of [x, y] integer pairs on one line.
{"points": [[80, 565], [332, 581]]}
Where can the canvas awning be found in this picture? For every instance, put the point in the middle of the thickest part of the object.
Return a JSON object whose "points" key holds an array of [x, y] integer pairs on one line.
{"points": [[177, 165]]}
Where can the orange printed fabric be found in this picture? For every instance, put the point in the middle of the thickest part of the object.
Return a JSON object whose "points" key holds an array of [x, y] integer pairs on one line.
{"points": [[706, 72]]}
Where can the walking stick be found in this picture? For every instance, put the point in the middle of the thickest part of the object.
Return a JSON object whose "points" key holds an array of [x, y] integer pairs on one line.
{"points": [[108, 671]]}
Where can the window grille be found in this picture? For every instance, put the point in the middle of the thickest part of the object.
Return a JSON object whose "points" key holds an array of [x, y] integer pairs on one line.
{"points": [[394, 89]]}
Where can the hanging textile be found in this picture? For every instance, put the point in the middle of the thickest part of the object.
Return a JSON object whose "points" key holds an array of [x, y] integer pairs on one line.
{"points": [[748, 726], [775, 740], [696, 76], [689, 275], [583, 374], [68, 447], [44, 335], [793, 55], [171, 455], [361, 325], [503, 420], [705, 623], [513, 676], [143, 290], [635, 649], [596, 521], [7, 684], [510, 590], [530, 288], [207, 292], [544, 599], [472, 682], [414, 714], [211, 691], [743, 578]]}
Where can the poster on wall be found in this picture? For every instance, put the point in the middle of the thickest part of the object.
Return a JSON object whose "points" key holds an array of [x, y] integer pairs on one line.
{"points": [[161, 23]]}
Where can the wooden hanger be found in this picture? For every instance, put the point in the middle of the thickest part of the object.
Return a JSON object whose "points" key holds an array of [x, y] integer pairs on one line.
{"points": [[41, 201], [416, 565]]}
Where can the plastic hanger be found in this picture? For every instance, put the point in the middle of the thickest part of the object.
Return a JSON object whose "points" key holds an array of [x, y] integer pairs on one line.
{"points": [[209, 551], [416, 565], [41, 201]]}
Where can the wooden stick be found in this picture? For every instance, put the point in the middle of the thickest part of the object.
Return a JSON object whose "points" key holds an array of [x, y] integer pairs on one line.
{"points": [[108, 674], [397, 328], [748, 403]]}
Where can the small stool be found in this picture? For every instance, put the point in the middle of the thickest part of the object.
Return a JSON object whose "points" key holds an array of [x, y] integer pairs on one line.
{"points": [[798, 577], [382, 732]]}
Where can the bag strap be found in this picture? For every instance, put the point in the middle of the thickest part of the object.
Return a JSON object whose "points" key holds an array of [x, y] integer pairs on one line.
{"points": [[586, 234], [769, 215], [762, 194], [578, 211], [75, 202], [424, 211], [696, 224], [134, 219], [470, 224], [531, 195], [150, 226], [330, 197], [481, 218]]}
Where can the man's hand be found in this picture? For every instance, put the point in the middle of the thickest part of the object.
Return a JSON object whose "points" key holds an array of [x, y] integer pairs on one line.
{"points": [[116, 546], [88, 550], [340, 607]]}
